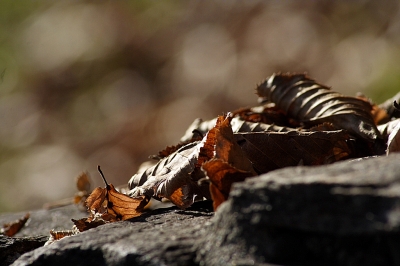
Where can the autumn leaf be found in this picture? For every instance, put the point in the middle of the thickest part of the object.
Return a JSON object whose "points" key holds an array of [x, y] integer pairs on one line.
{"points": [[312, 103], [268, 114], [108, 205], [196, 136], [273, 150], [379, 114], [303, 123], [93, 221], [172, 178], [393, 143], [390, 107], [387, 128], [238, 124], [199, 126], [122, 206], [222, 176], [57, 235], [10, 229], [228, 165], [83, 186]]}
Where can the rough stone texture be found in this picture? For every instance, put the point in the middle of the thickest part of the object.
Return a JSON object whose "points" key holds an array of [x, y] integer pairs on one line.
{"points": [[343, 214], [161, 237], [13, 247], [35, 232], [42, 221]]}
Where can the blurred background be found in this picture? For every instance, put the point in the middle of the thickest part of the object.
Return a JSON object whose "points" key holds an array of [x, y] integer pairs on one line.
{"points": [[84, 83]]}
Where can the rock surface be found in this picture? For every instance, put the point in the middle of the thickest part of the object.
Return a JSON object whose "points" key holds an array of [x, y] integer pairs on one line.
{"points": [[13, 247], [346, 213], [160, 237], [343, 214]]}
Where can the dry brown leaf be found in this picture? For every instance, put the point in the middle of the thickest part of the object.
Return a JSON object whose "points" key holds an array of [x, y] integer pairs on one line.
{"points": [[222, 175], [122, 206], [57, 235], [83, 182], [108, 205], [390, 106], [10, 229], [174, 177], [91, 222], [379, 114], [312, 103], [393, 143], [267, 114], [228, 165], [238, 125], [196, 136], [83, 186], [199, 126], [387, 128], [96, 199], [273, 150]]}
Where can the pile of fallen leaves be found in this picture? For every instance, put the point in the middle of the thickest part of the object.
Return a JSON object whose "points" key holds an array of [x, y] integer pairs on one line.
{"points": [[297, 122]]}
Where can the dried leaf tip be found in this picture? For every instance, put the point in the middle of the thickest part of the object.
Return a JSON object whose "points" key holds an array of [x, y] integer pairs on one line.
{"points": [[102, 175], [10, 229]]}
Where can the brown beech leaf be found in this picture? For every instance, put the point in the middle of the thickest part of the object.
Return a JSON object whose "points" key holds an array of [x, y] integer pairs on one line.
{"points": [[393, 143], [119, 205], [199, 126], [10, 229], [260, 118], [229, 163], [222, 176], [122, 206], [267, 114], [83, 186], [96, 199], [238, 125], [173, 177], [196, 136], [272, 150], [91, 222], [312, 103], [390, 107], [108, 205], [57, 235], [379, 115], [387, 128]]}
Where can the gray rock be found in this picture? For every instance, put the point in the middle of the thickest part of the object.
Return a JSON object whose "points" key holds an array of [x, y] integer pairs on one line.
{"points": [[13, 247], [347, 213], [343, 214], [36, 231], [42, 221], [160, 237]]}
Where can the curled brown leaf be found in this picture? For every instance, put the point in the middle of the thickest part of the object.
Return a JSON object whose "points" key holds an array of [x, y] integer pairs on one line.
{"points": [[393, 143], [228, 165], [311, 103], [10, 229], [173, 177], [57, 235]]}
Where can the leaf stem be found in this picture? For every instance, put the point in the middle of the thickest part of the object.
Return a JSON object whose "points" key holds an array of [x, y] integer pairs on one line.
{"points": [[102, 175]]}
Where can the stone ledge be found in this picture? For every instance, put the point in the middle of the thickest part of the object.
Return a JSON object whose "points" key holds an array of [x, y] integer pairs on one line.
{"points": [[346, 213]]}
